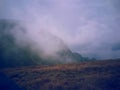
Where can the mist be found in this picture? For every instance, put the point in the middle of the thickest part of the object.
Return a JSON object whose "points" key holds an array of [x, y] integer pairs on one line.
{"points": [[39, 40], [88, 27]]}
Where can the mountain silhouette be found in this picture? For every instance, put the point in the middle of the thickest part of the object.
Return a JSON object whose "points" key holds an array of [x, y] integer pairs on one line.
{"points": [[12, 55]]}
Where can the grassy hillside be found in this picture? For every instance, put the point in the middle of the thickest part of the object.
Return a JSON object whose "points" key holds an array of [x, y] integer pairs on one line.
{"points": [[97, 75]]}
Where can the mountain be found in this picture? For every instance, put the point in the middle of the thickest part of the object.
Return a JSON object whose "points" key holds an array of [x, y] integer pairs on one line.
{"points": [[14, 55]]}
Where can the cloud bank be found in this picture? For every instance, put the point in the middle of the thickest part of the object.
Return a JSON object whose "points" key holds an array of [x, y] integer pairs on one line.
{"points": [[90, 27]]}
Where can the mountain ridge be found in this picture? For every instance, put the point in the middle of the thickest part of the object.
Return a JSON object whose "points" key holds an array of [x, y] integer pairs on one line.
{"points": [[13, 55]]}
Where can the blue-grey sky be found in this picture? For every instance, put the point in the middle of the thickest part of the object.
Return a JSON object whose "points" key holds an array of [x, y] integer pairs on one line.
{"points": [[90, 27]]}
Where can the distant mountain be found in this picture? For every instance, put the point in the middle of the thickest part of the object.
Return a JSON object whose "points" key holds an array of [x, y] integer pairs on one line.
{"points": [[13, 55]]}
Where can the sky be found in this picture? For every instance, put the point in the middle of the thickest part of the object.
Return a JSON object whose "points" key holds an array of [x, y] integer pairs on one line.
{"points": [[89, 27]]}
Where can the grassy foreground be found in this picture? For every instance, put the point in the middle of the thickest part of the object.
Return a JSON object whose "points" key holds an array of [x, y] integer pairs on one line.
{"points": [[97, 75]]}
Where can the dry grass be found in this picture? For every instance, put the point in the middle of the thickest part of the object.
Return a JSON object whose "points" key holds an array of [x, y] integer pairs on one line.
{"points": [[98, 75]]}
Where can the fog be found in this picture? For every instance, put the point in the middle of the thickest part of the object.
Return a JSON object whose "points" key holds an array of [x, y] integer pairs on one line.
{"points": [[38, 40], [89, 27]]}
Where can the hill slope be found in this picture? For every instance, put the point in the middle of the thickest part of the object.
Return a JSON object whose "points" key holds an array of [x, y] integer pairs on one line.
{"points": [[98, 75], [12, 54]]}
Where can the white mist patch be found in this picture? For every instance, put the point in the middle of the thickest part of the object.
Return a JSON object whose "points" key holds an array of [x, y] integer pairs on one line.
{"points": [[38, 40]]}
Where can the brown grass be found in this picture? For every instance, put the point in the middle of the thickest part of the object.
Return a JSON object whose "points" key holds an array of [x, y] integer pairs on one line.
{"points": [[98, 75]]}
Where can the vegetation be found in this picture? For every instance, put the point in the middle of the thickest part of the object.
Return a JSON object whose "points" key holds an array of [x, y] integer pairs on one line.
{"points": [[97, 75]]}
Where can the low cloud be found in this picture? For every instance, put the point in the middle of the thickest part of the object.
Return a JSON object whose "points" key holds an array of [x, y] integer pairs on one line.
{"points": [[88, 27]]}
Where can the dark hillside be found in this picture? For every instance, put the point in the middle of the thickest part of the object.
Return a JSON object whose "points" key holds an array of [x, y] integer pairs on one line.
{"points": [[12, 55]]}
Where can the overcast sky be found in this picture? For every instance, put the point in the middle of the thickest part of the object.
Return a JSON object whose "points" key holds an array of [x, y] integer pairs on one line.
{"points": [[90, 27]]}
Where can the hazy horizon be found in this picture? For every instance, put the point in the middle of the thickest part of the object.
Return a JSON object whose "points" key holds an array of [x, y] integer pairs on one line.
{"points": [[89, 27]]}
